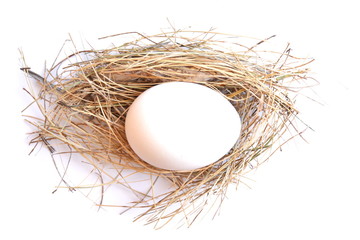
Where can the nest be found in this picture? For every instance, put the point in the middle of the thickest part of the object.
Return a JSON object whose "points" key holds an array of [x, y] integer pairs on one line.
{"points": [[83, 103]]}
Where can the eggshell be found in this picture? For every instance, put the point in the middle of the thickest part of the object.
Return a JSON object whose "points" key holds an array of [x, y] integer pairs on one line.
{"points": [[181, 126]]}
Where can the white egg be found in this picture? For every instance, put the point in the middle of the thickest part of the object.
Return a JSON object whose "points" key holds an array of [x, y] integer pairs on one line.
{"points": [[181, 126]]}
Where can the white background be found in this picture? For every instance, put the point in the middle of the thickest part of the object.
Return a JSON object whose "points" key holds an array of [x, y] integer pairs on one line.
{"points": [[308, 191]]}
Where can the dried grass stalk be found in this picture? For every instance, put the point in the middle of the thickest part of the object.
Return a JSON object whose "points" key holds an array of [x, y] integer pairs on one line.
{"points": [[84, 107]]}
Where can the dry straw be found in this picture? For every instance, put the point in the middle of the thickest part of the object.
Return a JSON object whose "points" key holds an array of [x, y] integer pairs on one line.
{"points": [[83, 100]]}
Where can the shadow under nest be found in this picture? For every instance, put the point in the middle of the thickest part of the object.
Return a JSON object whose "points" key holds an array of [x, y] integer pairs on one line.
{"points": [[84, 107]]}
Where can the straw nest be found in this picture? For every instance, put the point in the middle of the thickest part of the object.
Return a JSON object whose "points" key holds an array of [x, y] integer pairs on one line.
{"points": [[83, 100]]}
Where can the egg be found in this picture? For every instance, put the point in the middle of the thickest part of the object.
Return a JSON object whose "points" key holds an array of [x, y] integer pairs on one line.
{"points": [[181, 126]]}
